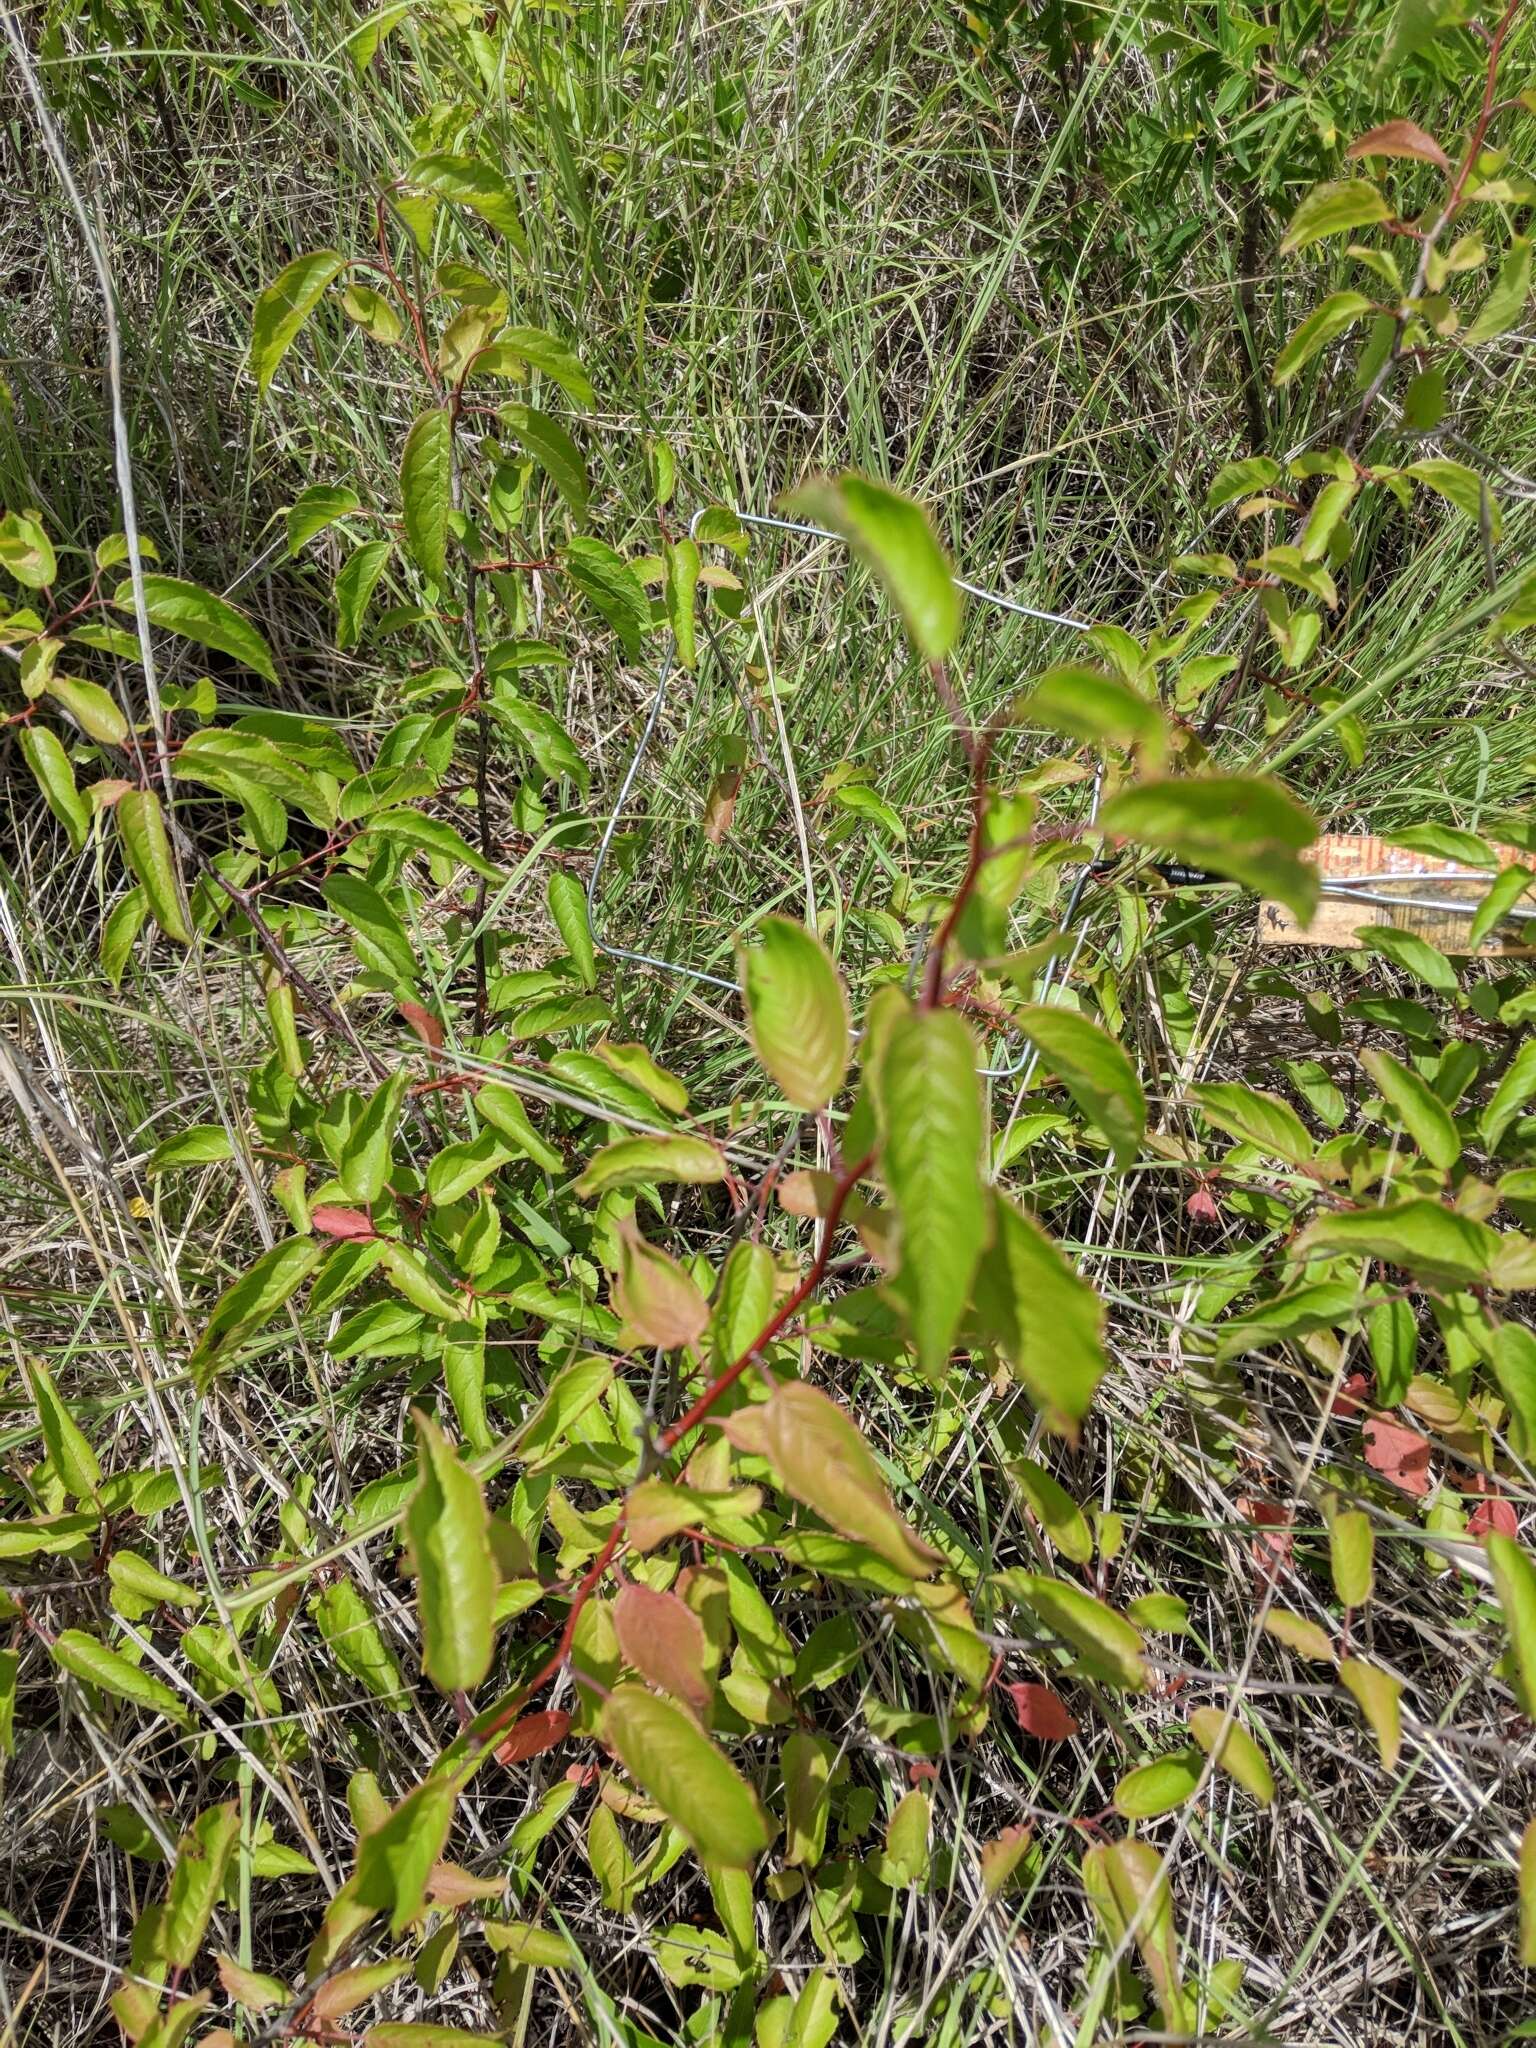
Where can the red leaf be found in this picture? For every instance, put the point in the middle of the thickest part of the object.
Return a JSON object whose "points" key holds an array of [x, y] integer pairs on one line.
{"points": [[333, 1222], [922, 1774], [1271, 1550], [1041, 1712], [1351, 1397], [582, 1774], [426, 1027], [1400, 138], [1399, 1454], [1496, 1515], [1203, 1208], [532, 1736]]}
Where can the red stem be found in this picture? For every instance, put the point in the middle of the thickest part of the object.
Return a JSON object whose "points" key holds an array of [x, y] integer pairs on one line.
{"points": [[669, 1440]]}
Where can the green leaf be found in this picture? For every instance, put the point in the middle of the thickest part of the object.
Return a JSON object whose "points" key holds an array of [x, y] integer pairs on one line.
{"points": [[1054, 1509], [313, 510], [44, 753], [426, 486], [459, 1168], [1378, 1695], [1333, 210], [743, 1300], [147, 850], [240, 762], [659, 1301], [1127, 1883], [1245, 826], [894, 536], [466, 181], [93, 709], [197, 614], [202, 1856], [367, 1156], [447, 1530], [1445, 842], [1414, 955], [499, 1105], [1159, 1787], [568, 907], [1505, 303], [256, 1295], [373, 313], [1330, 320], [681, 561], [350, 1632], [797, 1011], [1514, 1365], [377, 935], [137, 1577], [1351, 1550], [1505, 892], [124, 922], [1044, 1318], [931, 1114], [110, 1672], [1099, 1075], [548, 355], [284, 306], [1256, 1116], [1516, 1086], [27, 552], [404, 1269], [71, 1456], [355, 581], [1241, 479], [644, 1161], [1434, 1242], [541, 735], [1419, 1109], [806, 1762], [395, 1858], [1107, 1645], [535, 1948], [1089, 704], [695, 1785], [610, 584], [1393, 1334], [1233, 1750], [362, 44], [1514, 1579], [1461, 486], [431, 835], [553, 450], [821, 1456], [198, 1145]]}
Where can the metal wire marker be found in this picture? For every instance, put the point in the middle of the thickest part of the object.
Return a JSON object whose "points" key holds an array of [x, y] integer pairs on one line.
{"points": [[1025, 1065]]}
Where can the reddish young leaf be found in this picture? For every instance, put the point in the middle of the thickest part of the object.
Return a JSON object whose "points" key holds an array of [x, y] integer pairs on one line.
{"points": [[1494, 1516], [1400, 138], [1398, 1453], [1203, 1208], [664, 1641], [1041, 1712], [922, 1774], [331, 1221], [1270, 1551], [1352, 1396], [427, 1028], [532, 1735], [582, 1775]]}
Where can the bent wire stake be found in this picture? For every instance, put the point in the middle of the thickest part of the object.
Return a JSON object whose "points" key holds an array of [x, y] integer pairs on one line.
{"points": [[1025, 1065]]}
